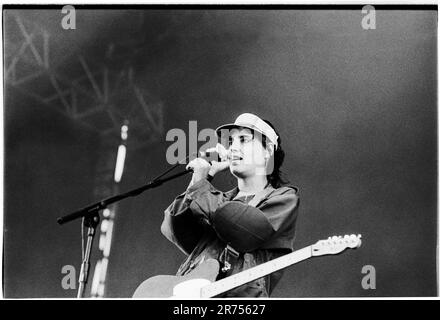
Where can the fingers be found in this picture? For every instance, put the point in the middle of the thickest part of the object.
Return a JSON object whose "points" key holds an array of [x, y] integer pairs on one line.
{"points": [[222, 152], [218, 166], [198, 163]]}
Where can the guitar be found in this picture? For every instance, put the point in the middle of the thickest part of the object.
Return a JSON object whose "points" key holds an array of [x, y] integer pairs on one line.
{"points": [[200, 283]]}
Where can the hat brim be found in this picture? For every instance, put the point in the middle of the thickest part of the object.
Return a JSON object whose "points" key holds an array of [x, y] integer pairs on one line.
{"points": [[230, 126]]}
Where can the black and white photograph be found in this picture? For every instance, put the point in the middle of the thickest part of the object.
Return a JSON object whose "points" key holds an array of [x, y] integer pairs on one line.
{"points": [[220, 152]]}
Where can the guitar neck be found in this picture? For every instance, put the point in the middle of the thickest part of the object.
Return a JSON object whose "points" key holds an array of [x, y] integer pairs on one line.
{"points": [[238, 279]]}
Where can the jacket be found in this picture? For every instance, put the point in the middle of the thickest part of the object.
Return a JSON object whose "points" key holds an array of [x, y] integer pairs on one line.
{"points": [[203, 220]]}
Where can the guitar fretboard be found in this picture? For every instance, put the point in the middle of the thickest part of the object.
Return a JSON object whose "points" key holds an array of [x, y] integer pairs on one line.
{"points": [[236, 280]]}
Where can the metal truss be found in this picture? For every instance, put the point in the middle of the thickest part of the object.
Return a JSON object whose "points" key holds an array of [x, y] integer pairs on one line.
{"points": [[102, 98], [93, 98]]}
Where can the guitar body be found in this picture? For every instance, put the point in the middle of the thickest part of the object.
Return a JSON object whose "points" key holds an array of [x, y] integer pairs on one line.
{"points": [[166, 286], [200, 283]]}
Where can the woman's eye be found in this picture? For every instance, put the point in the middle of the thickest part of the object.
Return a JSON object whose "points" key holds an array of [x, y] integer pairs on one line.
{"points": [[241, 139]]}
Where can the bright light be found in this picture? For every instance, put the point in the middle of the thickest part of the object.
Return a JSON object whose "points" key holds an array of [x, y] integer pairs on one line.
{"points": [[106, 213], [120, 163], [96, 277], [124, 132], [102, 242], [101, 290], [107, 245], [104, 226], [104, 264]]}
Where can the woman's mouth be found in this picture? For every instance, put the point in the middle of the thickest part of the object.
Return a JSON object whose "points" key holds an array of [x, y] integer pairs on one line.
{"points": [[236, 158]]}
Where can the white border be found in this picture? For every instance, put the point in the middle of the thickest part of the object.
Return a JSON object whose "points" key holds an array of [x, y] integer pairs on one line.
{"points": [[223, 2], [1, 161]]}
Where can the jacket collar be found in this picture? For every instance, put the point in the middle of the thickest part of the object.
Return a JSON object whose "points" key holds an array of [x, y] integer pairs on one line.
{"points": [[231, 193]]}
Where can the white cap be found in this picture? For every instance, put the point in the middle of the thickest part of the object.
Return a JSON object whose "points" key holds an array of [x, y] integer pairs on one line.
{"points": [[253, 122]]}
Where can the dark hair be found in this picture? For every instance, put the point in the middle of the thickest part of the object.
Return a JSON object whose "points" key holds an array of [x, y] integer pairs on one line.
{"points": [[275, 178]]}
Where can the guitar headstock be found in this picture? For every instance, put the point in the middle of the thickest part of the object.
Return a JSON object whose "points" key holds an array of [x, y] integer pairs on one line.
{"points": [[336, 244]]}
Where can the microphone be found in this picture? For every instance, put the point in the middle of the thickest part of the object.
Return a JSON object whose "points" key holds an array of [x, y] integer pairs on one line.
{"points": [[220, 150], [222, 156]]}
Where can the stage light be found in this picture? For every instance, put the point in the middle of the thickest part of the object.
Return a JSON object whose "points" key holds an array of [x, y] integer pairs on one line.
{"points": [[108, 242], [124, 132], [120, 163], [106, 213], [101, 290], [104, 226], [102, 242], [102, 276], [96, 277], [104, 264]]}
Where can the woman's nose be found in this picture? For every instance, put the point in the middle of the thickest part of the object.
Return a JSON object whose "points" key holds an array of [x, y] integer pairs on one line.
{"points": [[235, 146]]}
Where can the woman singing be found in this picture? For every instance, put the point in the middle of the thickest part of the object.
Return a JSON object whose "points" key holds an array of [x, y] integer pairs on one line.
{"points": [[246, 226]]}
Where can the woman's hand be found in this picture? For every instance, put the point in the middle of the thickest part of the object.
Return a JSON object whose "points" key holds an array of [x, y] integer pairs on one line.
{"points": [[216, 167], [200, 168]]}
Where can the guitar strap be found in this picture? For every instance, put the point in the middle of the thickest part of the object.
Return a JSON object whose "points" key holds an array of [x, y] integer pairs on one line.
{"points": [[230, 255]]}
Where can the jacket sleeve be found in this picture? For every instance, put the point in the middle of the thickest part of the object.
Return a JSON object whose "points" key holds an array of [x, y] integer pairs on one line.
{"points": [[247, 228], [187, 217]]}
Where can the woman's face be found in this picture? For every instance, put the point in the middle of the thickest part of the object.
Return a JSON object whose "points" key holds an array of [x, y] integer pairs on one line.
{"points": [[248, 156]]}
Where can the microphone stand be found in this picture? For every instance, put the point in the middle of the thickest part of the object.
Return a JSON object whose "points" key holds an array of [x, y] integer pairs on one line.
{"points": [[90, 215]]}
